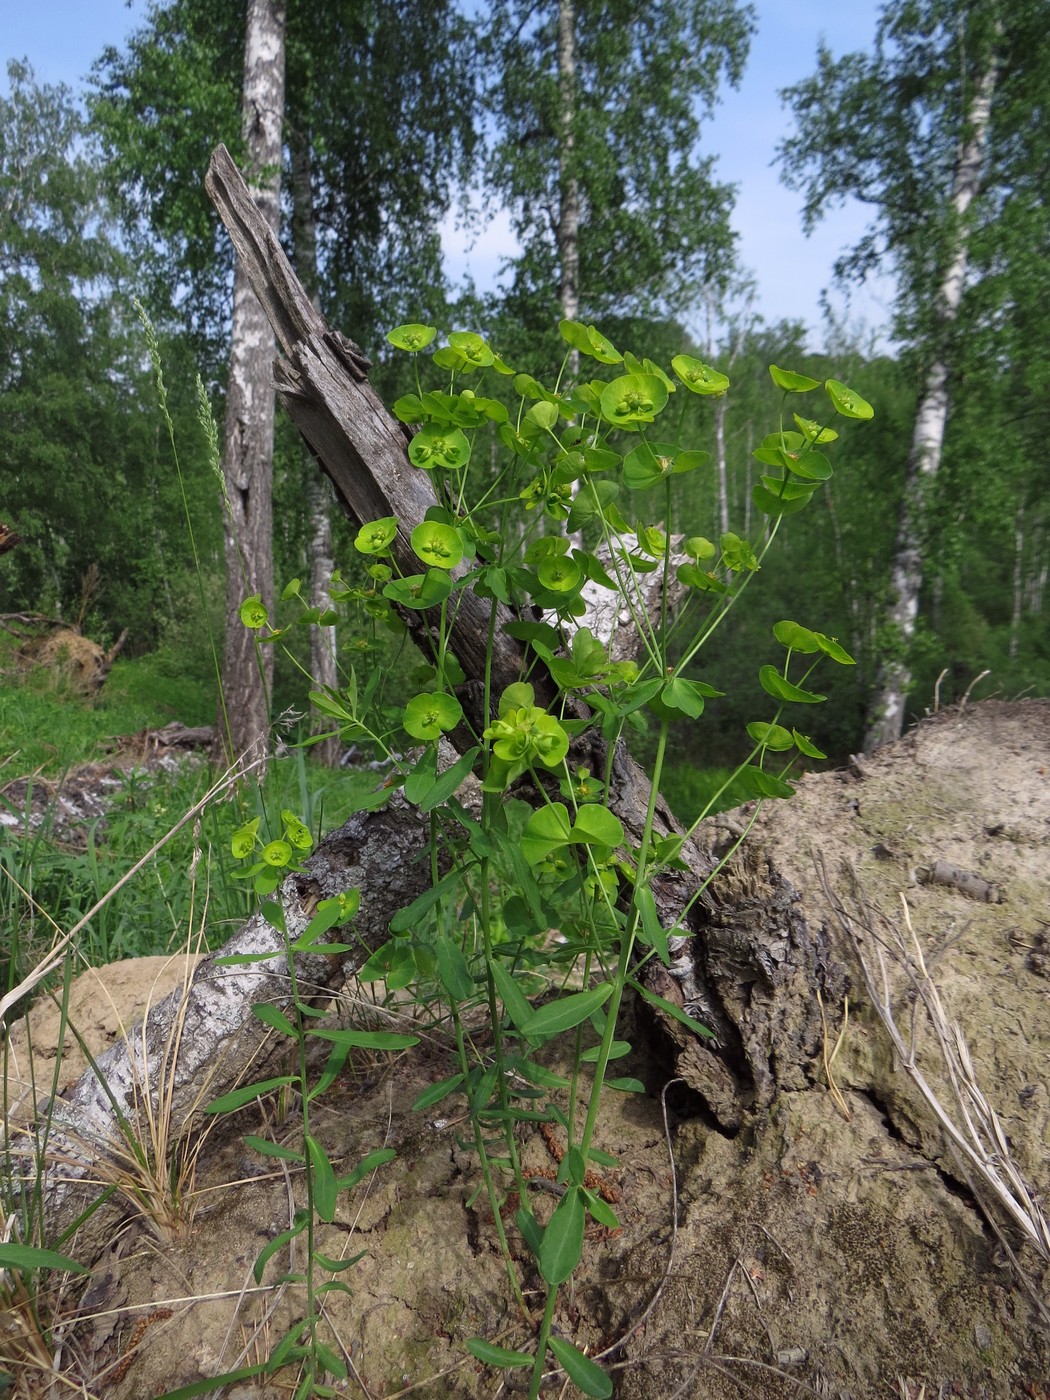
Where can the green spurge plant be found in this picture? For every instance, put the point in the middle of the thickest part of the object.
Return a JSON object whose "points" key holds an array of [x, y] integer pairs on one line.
{"points": [[580, 504]]}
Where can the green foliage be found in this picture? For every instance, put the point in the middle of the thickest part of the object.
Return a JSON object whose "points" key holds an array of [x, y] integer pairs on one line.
{"points": [[83, 476], [379, 98], [888, 128], [654, 222], [476, 936]]}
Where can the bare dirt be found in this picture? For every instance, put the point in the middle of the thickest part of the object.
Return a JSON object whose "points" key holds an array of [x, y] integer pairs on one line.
{"points": [[803, 1252]]}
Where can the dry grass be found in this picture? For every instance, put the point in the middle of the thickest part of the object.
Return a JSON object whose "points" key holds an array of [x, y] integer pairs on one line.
{"points": [[970, 1123]]}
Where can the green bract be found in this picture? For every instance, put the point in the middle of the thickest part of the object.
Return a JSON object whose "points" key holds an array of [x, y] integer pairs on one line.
{"points": [[772, 736], [437, 545], [633, 399], [296, 831], [243, 840], [698, 377], [791, 382], [376, 536], [277, 853], [526, 735], [253, 613], [846, 402], [590, 341], [473, 349], [411, 337], [435, 446], [813, 432], [419, 591], [560, 574], [430, 715]]}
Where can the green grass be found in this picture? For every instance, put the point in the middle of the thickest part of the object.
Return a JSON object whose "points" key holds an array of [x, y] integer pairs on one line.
{"points": [[45, 735]]}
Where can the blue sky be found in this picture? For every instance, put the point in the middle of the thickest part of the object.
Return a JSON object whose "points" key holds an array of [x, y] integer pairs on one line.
{"points": [[61, 39]]}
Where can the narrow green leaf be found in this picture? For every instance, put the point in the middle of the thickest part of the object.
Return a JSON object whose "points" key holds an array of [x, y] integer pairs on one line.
{"points": [[492, 1355], [562, 1243], [453, 970], [237, 1098], [272, 1149], [653, 930], [27, 1256], [368, 1040], [334, 1266], [422, 777], [270, 1016], [566, 1012], [375, 1159], [518, 1009], [278, 1242], [626, 1086], [581, 1370], [531, 1231], [429, 1097], [669, 1009], [600, 1210], [325, 1190], [212, 1383], [411, 915], [449, 781], [617, 1050]]}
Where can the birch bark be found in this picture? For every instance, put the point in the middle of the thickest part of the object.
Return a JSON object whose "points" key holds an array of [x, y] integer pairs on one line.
{"points": [[248, 451]]}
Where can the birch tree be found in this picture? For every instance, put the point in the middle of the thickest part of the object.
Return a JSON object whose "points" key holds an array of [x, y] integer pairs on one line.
{"points": [[598, 107], [907, 131], [247, 676]]}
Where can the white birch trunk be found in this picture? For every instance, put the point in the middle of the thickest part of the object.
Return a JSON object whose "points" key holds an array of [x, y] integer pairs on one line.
{"points": [[886, 707], [248, 456]]}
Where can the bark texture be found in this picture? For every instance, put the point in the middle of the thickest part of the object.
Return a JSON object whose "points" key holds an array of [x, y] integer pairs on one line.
{"points": [[248, 453], [886, 707], [323, 657]]}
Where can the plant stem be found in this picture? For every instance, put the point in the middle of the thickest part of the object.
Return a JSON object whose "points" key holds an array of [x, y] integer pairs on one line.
{"points": [[541, 1342]]}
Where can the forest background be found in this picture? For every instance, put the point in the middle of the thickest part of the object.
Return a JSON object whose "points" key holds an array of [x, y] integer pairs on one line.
{"points": [[403, 122]]}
